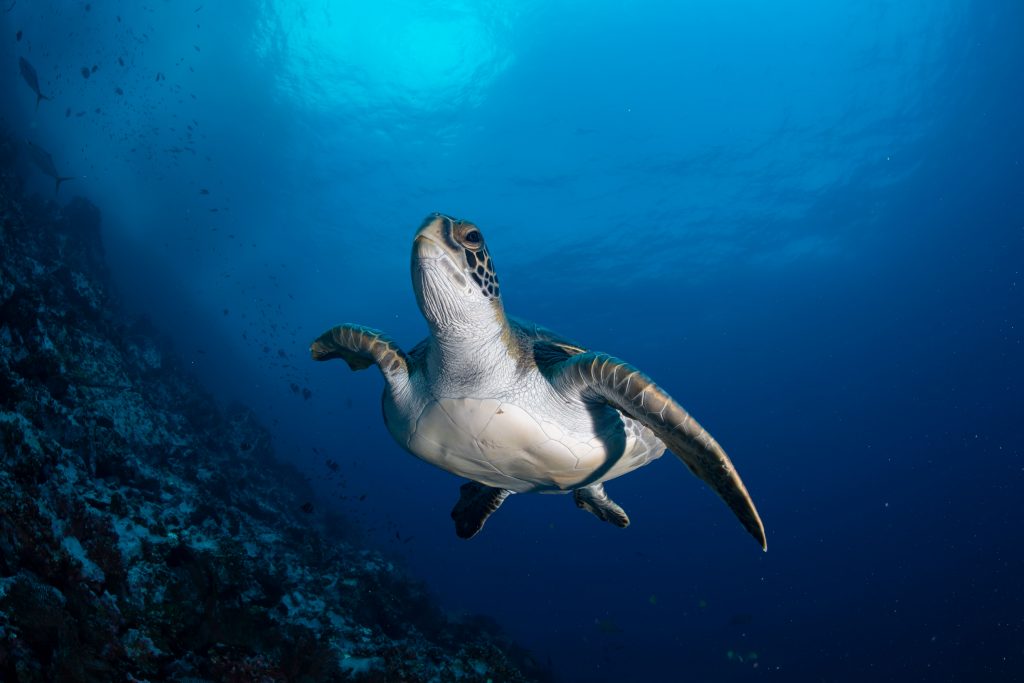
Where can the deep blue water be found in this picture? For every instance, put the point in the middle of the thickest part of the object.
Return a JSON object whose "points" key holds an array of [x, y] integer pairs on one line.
{"points": [[805, 220]]}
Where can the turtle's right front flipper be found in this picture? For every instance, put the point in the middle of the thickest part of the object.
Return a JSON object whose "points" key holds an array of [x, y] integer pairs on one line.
{"points": [[361, 347], [633, 393]]}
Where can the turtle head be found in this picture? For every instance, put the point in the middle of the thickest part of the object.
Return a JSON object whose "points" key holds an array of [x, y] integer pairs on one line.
{"points": [[453, 275]]}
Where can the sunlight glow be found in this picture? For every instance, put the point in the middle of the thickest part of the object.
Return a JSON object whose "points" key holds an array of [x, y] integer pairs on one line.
{"points": [[395, 53]]}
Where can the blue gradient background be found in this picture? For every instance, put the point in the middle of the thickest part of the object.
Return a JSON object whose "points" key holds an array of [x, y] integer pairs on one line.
{"points": [[804, 219]]}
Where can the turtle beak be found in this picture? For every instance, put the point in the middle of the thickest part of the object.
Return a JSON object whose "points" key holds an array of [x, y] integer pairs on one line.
{"points": [[431, 237], [437, 280]]}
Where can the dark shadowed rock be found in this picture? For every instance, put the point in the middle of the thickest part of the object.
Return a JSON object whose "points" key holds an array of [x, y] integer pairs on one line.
{"points": [[146, 534]]}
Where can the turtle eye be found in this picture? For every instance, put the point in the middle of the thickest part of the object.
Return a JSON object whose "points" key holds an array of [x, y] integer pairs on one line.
{"points": [[473, 237]]}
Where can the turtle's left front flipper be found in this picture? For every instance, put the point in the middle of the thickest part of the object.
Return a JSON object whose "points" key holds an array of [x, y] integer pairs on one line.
{"points": [[630, 391], [361, 347]]}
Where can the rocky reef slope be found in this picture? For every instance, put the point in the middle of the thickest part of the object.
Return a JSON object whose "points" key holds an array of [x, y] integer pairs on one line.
{"points": [[147, 535]]}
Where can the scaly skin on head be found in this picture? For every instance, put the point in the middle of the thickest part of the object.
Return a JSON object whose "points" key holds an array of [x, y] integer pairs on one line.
{"points": [[457, 292]]}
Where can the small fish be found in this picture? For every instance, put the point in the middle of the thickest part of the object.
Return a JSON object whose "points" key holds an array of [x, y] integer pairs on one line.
{"points": [[204, 191], [42, 159], [307, 507], [17, 36], [119, 91], [120, 61], [85, 72], [362, 497], [28, 72]]}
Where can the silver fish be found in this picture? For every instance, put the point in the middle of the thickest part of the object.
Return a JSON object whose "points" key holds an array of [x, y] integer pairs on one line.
{"points": [[41, 158], [28, 72]]}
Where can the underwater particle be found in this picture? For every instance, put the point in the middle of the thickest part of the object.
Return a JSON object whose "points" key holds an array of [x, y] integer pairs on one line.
{"points": [[653, 599], [85, 72], [67, 113], [306, 393], [118, 91], [225, 311], [88, 7], [203, 190], [362, 497], [95, 68], [294, 387], [702, 603], [307, 507], [17, 36], [281, 353], [120, 61]]}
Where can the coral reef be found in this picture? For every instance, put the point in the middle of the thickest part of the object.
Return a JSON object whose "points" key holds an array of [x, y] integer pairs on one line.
{"points": [[147, 535]]}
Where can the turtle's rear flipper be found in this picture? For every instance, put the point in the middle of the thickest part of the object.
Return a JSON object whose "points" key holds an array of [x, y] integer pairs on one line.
{"points": [[476, 503], [593, 499]]}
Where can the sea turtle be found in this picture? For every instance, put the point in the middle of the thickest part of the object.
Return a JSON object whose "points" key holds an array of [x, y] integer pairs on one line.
{"points": [[512, 406]]}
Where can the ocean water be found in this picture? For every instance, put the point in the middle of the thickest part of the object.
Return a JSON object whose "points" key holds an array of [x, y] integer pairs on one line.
{"points": [[805, 220]]}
